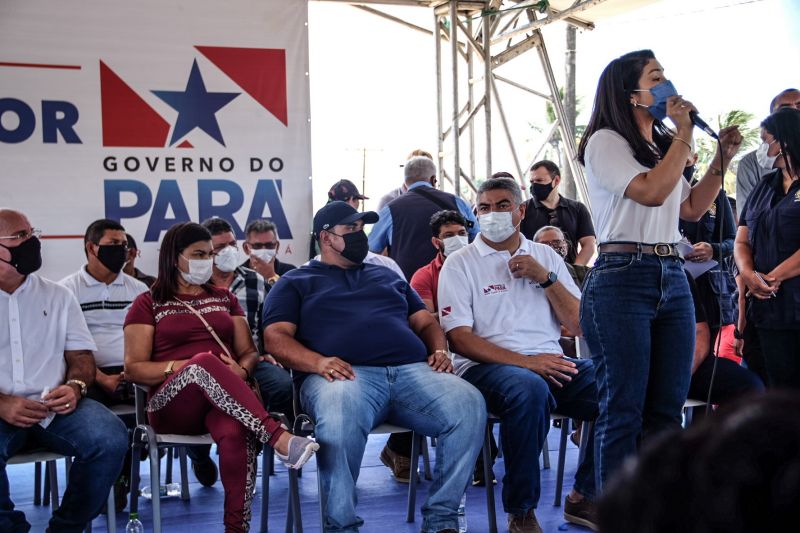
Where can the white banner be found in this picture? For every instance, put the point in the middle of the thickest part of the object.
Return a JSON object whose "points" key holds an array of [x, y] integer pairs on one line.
{"points": [[151, 113]]}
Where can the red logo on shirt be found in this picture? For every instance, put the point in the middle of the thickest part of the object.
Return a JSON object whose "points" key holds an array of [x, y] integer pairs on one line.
{"points": [[494, 289], [447, 310]]}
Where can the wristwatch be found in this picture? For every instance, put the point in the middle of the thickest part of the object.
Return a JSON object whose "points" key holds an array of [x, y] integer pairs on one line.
{"points": [[737, 334], [81, 385], [551, 278], [273, 279]]}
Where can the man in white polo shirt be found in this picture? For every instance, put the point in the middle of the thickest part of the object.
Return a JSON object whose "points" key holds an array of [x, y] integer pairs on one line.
{"points": [[105, 294], [502, 302], [46, 365]]}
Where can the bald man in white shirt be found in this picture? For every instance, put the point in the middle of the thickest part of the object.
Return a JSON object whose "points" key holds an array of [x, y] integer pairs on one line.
{"points": [[46, 365]]}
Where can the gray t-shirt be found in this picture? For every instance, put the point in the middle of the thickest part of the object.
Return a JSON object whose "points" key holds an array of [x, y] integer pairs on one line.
{"points": [[747, 176]]}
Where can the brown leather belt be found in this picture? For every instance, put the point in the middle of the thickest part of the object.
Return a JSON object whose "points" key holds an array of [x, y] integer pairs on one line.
{"points": [[660, 249]]}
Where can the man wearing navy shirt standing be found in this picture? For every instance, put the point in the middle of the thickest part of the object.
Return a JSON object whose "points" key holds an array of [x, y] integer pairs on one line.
{"points": [[369, 352]]}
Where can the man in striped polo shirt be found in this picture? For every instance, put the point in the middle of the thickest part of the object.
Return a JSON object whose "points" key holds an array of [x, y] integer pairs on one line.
{"points": [[105, 294]]}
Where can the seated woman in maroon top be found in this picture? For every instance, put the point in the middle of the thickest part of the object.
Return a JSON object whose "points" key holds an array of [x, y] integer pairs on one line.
{"points": [[198, 378]]}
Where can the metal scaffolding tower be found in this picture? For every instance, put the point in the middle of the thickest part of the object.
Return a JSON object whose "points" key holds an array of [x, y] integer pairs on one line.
{"points": [[472, 40]]}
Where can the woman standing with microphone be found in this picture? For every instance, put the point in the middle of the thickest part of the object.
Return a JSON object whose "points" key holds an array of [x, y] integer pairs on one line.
{"points": [[636, 312]]}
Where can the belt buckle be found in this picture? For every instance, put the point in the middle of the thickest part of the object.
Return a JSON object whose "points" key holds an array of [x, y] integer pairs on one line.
{"points": [[663, 249]]}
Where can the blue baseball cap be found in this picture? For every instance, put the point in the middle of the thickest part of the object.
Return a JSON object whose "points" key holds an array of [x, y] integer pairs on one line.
{"points": [[340, 213]]}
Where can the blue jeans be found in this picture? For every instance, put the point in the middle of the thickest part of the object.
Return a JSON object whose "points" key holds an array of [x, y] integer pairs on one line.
{"points": [[276, 388], [95, 437], [523, 400], [413, 396], [638, 318]]}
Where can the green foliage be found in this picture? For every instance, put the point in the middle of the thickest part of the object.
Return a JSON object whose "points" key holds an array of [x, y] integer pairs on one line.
{"points": [[707, 147]]}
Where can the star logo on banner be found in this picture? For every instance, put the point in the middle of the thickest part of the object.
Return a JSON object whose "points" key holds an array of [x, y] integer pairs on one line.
{"points": [[196, 107]]}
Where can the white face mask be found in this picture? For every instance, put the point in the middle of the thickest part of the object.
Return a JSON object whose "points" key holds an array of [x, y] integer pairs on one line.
{"points": [[227, 259], [497, 226], [264, 255], [454, 244], [765, 160], [199, 271]]}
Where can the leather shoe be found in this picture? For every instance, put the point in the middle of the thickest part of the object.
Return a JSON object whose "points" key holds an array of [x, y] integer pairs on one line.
{"points": [[400, 466], [526, 523]]}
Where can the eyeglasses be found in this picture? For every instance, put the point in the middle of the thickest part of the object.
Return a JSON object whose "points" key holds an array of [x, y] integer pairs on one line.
{"points": [[23, 235], [555, 243], [263, 245]]}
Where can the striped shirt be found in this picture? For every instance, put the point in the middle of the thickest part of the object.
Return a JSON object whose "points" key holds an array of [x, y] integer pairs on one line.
{"points": [[104, 308], [250, 288]]}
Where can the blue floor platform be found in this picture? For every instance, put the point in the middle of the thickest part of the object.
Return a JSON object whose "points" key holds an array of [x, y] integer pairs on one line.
{"points": [[381, 500]]}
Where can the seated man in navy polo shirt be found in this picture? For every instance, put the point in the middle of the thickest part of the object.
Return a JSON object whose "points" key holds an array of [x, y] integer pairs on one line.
{"points": [[369, 352]]}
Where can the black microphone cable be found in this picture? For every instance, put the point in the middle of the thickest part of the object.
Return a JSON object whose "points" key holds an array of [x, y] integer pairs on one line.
{"points": [[720, 273]]}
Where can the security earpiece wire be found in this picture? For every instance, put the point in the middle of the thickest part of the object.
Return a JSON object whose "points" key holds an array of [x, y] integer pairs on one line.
{"points": [[721, 275]]}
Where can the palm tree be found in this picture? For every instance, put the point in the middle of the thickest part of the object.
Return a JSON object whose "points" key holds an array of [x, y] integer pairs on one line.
{"points": [[706, 147]]}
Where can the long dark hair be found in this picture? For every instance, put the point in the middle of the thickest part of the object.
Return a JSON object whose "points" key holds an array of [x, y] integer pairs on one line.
{"points": [[784, 125], [613, 110], [176, 240]]}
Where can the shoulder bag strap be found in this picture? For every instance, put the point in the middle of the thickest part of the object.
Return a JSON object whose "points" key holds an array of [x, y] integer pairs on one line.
{"points": [[208, 327]]}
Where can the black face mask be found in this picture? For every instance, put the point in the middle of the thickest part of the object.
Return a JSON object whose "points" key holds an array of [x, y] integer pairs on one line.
{"points": [[27, 257], [356, 246], [688, 173], [541, 191], [113, 256]]}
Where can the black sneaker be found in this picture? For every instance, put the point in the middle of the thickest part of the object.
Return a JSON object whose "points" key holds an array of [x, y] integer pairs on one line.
{"points": [[583, 513], [205, 471]]}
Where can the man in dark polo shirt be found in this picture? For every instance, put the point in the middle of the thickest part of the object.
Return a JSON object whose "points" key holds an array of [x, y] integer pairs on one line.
{"points": [[404, 227], [368, 352], [548, 208]]}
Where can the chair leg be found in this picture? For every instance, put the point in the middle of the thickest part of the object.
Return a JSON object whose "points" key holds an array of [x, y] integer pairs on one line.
{"points": [[111, 516], [184, 474], [46, 488], [37, 484], [136, 448], [426, 460], [168, 469], [414, 478], [321, 502], [294, 500], [289, 515], [487, 475], [155, 484], [267, 461], [546, 454], [562, 456], [52, 472], [271, 460]]}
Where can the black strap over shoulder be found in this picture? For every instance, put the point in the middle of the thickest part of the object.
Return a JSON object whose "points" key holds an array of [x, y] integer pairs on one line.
{"points": [[438, 201]]}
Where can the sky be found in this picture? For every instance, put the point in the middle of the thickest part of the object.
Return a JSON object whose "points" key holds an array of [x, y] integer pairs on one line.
{"points": [[373, 93]]}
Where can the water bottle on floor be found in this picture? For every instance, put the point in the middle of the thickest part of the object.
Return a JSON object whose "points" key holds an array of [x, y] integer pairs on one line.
{"points": [[134, 526], [170, 489], [462, 514]]}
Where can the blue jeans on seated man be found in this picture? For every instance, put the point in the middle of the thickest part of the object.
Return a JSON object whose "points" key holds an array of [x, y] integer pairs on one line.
{"points": [[97, 440], [412, 396], [523, 400]]}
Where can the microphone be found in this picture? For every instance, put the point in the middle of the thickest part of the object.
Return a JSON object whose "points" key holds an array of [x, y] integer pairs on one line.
{"points": [[700, 123]]}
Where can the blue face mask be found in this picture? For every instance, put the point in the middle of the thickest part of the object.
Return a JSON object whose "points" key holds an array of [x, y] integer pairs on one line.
{"points": [[661, 93]]}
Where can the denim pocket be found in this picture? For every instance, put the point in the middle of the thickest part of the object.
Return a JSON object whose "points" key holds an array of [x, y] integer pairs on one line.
{"points": [[614, 263]]}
